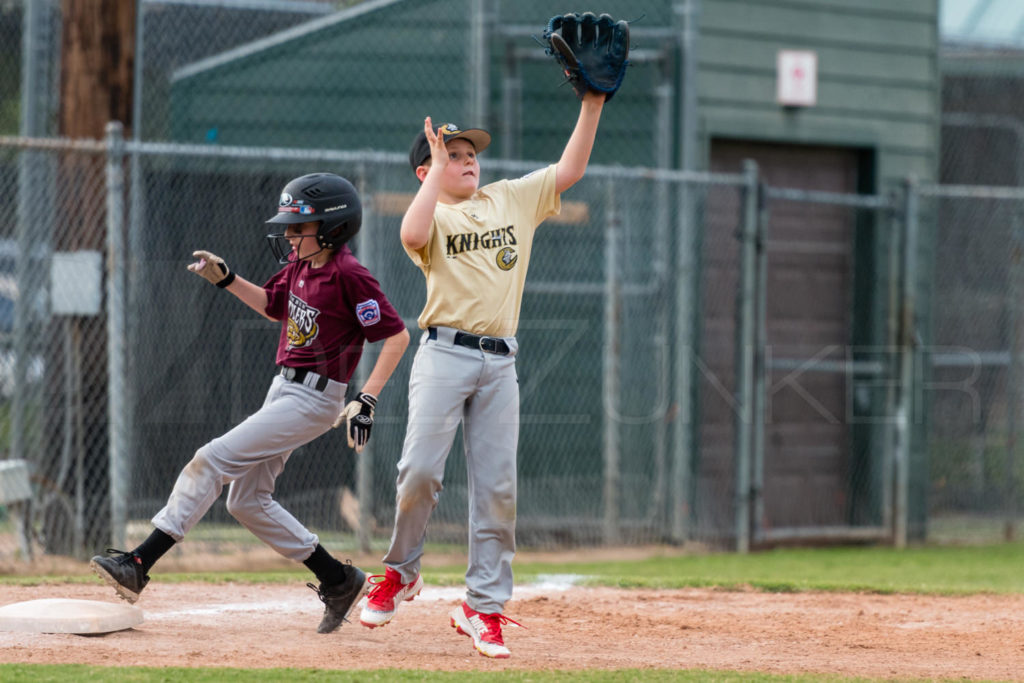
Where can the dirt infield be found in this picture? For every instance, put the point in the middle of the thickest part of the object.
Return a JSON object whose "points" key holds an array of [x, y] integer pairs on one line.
{"points": [[265, 626]]}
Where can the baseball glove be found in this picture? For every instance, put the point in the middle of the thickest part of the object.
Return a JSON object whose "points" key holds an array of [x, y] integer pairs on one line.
{"points": [[591, 50]]}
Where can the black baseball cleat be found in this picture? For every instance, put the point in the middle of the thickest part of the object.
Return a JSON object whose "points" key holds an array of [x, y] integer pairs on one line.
{"points": [[340, 598], [123, 571]]}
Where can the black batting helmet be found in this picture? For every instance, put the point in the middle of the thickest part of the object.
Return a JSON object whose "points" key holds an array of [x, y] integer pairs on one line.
{"points": [[323, 197]]}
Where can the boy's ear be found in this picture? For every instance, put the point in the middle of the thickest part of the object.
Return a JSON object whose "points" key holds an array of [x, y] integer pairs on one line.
{"points": [[421, 172]]}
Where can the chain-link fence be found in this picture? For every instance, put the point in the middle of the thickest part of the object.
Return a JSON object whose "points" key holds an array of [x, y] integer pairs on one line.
{"points": [[807, 384], [54, 366], [134, 364], [972, 398], [703, 358], [826, 278]]}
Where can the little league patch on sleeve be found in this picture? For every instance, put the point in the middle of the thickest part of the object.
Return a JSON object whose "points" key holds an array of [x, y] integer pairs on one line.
{"points": [[368, 312]]}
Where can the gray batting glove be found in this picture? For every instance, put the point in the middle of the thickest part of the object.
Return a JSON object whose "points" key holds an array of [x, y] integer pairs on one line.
{"points": [[358, 419], [213, 268]]}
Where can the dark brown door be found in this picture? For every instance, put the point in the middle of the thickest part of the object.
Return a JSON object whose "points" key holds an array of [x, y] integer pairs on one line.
{"points": [[808, 312]]}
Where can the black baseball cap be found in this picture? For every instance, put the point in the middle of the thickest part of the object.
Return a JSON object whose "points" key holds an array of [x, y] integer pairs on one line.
{"points": [[420, 150]]}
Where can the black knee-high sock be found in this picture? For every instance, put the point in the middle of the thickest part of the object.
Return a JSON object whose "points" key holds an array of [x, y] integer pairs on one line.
{"points": [[153, 548], [326, 567]]}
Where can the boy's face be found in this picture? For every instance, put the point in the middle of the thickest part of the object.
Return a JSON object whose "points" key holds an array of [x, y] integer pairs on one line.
{"points": [[302, 238], [462, 175]]}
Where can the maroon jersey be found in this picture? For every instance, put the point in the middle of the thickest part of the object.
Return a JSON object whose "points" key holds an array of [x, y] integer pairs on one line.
{"points": [[327, 313]]}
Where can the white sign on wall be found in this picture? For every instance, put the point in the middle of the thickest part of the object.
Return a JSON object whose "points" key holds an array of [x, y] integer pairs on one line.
{"points": [[76, 283], [797, 78]]}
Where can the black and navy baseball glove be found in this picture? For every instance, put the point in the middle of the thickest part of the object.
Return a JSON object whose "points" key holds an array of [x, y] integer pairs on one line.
{"points": [[591, 50]]}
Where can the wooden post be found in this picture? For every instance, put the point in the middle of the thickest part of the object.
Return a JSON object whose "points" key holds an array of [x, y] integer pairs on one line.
{"points": [[97, 77], [97, 66]]}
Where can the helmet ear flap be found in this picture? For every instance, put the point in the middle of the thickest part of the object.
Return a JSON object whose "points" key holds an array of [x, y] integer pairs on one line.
{"points": [[323, 239], [335, 235]]}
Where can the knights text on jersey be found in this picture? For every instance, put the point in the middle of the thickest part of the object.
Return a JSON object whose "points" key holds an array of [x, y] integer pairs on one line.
{"points": [[327, 313], [476, 258]]}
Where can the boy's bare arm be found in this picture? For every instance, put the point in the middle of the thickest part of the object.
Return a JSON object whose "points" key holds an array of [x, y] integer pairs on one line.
{"points": [[416, 222], [390, 354], [576, 155], [251, 294], [357, 415]]}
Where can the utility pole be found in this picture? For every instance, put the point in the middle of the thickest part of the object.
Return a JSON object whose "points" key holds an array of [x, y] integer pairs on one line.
{"points": [[96, 86], [97, 63]]}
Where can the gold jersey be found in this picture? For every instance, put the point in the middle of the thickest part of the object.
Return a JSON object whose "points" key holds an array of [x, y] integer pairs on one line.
{"points": [[476, 257]]}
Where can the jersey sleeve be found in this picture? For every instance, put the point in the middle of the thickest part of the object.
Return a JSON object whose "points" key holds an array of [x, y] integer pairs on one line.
{"points": [[377, 317], [277, 294], [421, 256], [537, 190]]}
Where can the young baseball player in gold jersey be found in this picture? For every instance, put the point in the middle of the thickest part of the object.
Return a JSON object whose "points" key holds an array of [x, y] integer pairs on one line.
{"points": [[473, 245]]}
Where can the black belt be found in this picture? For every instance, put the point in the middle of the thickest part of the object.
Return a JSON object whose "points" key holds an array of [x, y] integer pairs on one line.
{"points": [[299, 375], [495, 345]]}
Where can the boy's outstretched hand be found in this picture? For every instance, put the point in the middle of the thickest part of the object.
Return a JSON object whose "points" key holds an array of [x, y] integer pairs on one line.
{"points": [[212, 268], [438, 152]]}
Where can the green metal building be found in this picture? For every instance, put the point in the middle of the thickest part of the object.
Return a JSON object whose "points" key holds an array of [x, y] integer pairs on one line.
{"points": [[364, 78]]}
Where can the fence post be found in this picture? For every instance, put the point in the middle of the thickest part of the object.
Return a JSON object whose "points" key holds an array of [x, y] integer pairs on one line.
{"points": [[906, 349], [746, 327], [761, 357], [479, 62], [887, 459], [686, 16], [1015, 391], [365, 461], [29, 181], [116, 369], [611, 368]]}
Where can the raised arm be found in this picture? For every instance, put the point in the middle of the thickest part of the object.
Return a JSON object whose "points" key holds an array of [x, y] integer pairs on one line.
{"points": [[415, 230], [576, 155]]}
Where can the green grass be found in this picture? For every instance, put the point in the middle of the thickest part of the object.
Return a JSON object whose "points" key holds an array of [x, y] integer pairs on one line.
{"points": [[947, 570], [39, 673], [937, 570]]}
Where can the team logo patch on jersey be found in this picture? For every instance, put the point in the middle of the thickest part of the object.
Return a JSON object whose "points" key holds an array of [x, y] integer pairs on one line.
{"points": [[302, 323], [368, 312], [506, 258]]}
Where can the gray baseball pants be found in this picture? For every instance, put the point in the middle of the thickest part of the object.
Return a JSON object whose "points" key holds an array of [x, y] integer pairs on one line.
{"points": [[450, 384], [250, 457]]}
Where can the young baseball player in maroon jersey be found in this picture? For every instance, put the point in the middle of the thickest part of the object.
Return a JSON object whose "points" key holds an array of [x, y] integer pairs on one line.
{"points": [[473, 246], [328, 305]]}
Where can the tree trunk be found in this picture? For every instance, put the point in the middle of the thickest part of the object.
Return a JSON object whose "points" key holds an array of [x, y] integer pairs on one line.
{"points": [[98, 62], [97, 65]]}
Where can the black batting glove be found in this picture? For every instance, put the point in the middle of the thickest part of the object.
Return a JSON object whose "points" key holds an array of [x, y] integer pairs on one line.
{"points": [[358, 419]]}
